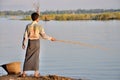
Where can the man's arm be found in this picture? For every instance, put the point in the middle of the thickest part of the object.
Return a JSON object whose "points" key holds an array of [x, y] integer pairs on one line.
{"points": [[25, 37], [45, 36]]}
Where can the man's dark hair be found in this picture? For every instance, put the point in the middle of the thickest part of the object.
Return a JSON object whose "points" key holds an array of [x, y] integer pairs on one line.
{"points": [[34, 16]]}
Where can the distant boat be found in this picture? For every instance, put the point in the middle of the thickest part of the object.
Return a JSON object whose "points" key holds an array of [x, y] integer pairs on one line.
{"points": [[15, 17]]}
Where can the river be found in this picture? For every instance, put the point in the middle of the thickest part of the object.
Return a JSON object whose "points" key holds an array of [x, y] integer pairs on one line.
{"points": [[70, 60]]}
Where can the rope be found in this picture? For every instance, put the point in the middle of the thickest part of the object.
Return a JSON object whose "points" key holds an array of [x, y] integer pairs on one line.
{"points": [[82, 44]]}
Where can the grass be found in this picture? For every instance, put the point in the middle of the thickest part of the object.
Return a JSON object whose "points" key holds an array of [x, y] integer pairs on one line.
{"points": [[67, 17]]}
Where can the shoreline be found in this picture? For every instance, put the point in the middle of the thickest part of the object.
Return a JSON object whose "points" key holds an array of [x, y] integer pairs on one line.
{"points": [[46, 77]]}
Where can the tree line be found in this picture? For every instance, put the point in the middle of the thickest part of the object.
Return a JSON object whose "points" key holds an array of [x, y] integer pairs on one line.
{"points": [[78, 11]]}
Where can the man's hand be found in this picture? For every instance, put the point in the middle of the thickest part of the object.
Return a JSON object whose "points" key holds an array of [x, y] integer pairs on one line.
{"points": [[23, 46], [53, 39]]}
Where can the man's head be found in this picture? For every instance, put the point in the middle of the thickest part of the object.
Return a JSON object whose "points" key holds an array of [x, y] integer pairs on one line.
{"points": [[35, 16]]}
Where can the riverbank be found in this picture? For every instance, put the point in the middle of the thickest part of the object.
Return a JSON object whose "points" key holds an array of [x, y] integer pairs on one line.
{"points": [[83, 16], [48, 77]]}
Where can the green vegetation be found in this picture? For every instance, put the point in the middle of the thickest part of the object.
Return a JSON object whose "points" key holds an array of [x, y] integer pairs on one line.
{"points": [[92, 16], [80, 14], [28, 17]]}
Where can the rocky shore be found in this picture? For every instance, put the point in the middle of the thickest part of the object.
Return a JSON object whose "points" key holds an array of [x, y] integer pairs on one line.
{"points": [[13, 69], [48, 77]]}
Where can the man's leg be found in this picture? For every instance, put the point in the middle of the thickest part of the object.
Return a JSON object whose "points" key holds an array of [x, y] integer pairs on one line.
{"points": [[36, 74], [23, 74]]}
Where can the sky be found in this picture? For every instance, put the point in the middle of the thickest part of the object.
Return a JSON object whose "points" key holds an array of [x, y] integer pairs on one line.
{"points": [[26, 5]]}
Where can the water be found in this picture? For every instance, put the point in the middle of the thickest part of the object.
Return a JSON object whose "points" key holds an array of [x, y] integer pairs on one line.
{"points": [[68, 59]]}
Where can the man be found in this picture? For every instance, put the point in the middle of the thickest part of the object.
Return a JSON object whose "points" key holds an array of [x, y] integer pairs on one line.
{"points": [[33, 33]]}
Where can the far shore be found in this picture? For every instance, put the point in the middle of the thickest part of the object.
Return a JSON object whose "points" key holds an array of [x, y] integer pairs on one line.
{"points": [[74, 17], [71, 17]]}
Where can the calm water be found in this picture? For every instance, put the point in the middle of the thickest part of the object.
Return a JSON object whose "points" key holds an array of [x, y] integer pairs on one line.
{"points": [[68, 59]]}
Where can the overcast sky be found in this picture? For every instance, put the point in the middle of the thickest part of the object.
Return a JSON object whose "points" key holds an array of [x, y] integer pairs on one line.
{"points": [[59, 4]]}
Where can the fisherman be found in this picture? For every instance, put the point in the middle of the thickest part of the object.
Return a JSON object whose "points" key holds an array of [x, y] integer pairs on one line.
{"points": [[33, 33]]}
